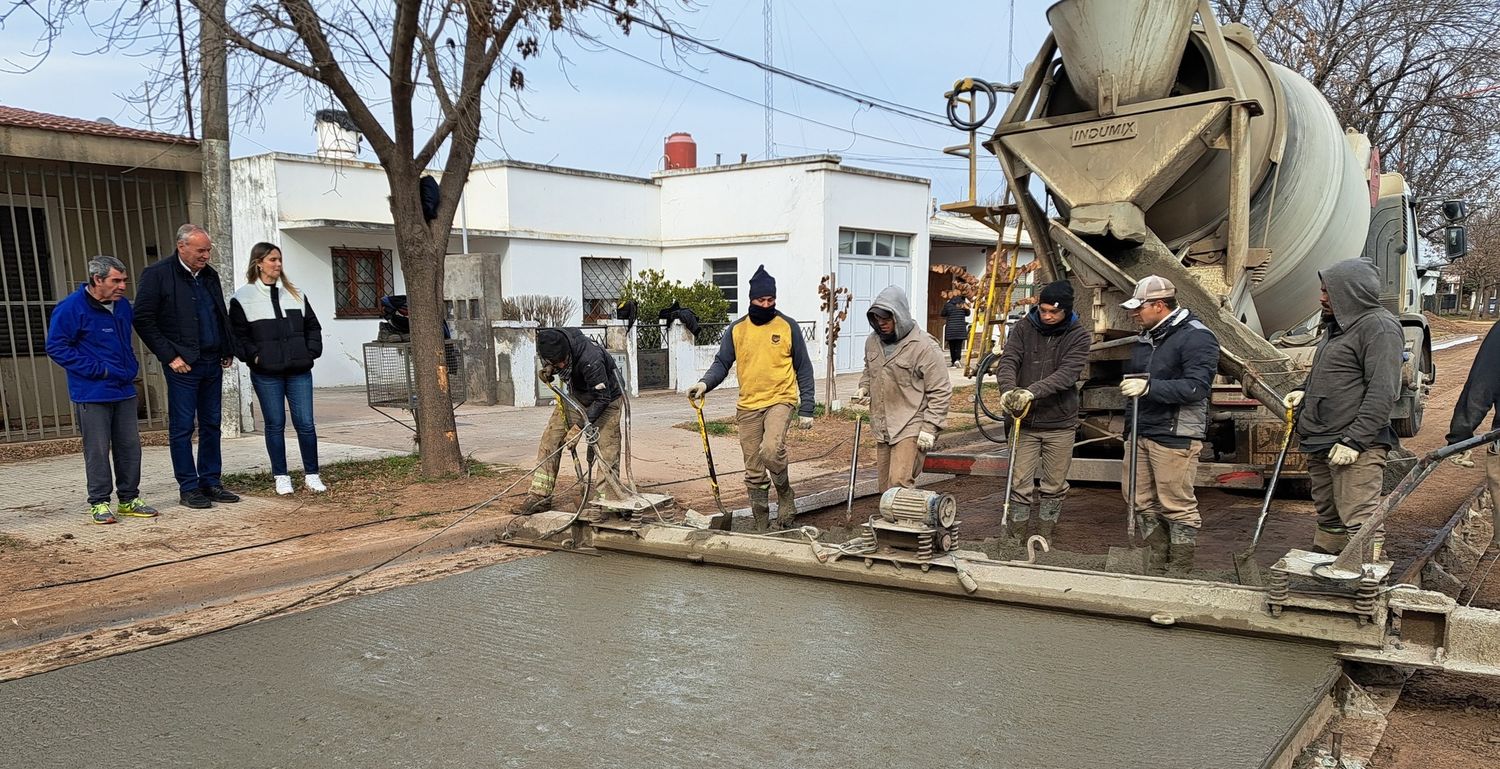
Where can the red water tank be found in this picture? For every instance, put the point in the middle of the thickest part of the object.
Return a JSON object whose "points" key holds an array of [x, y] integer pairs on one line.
{"points": [[681, 151]]}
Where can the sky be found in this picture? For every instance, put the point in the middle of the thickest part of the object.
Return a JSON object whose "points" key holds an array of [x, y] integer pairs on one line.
{"points": [[609, 110]]}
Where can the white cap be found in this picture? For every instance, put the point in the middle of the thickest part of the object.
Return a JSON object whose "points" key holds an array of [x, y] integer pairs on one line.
{"points": [[1150, 288]]}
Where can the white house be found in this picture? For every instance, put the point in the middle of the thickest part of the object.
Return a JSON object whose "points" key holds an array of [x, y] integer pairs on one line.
{"points": [[579, 234]]}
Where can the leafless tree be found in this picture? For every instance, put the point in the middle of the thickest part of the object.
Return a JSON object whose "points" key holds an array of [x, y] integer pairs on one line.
{"points": [[427, 64], [1420, 78], [1479, 272]]}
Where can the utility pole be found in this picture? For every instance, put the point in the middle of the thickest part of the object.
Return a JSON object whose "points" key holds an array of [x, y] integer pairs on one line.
{"points": [[770, 93], [214, 61]]}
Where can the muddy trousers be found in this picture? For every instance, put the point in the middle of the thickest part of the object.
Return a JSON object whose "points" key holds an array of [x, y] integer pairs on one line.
{"points": [[606, 457], [1492, 476], [1163, 484], [763, 441], [1042, 457], [1345, 497], [899, 463]]}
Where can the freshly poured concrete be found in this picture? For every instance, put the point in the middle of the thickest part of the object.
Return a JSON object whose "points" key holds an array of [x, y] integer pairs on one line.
{"points": [[568, 661]]}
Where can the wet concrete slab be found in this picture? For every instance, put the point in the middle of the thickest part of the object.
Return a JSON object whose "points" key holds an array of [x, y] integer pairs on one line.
{"points": [[571, 661]]}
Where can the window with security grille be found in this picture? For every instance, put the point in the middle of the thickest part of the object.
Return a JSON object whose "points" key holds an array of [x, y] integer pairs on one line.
{"points": [[25, 281], [360, 277], [886, 244], [603, 282], [725, 274]]}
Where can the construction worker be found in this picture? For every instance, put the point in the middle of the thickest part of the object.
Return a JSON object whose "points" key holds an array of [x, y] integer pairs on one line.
{"points": [[1044, 356], [594, 383], [1167, 380], [1481, 394], [1344, 426], [776, 379], [906, 380]]}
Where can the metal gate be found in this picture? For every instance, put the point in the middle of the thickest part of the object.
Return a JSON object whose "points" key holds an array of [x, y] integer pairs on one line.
{"points": [[53, 217], [651, 356]]}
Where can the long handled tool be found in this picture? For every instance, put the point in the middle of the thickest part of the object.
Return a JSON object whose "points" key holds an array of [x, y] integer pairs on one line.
{"points": [[1010, 467], [1135, 453], [725, 520], [1245, 566], [859, 420]]}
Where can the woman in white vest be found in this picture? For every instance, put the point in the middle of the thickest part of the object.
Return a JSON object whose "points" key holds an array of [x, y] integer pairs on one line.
{"points": [[278, 336]]}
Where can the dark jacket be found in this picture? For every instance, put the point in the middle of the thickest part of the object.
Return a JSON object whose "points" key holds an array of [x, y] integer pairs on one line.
{"points": [[1048, 361], [165, 315], [1182, 356], [956, 324], [1481, 392], [1355, 378], [92, 345], [592, 377], [274, 333]]}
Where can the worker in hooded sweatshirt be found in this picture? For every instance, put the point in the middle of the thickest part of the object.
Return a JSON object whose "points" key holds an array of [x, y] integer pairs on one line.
{"points": [[1044, 357], [1344, 426], [776, 380], [906, 380], [1178, 357]]}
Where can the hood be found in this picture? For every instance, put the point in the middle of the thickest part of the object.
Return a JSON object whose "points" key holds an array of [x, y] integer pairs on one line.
{"points": [[1353, 290], [893, 300]]}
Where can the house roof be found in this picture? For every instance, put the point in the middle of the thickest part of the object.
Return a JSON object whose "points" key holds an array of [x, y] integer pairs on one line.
{"points": [[962, 229], [16, 117]]}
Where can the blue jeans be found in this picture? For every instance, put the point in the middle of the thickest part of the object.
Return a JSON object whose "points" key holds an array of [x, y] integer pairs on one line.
{"points": [[196, 396], [276, 395]]}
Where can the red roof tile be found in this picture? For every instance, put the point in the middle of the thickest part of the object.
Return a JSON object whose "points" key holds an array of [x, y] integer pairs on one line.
{"points": [[25, 118]]}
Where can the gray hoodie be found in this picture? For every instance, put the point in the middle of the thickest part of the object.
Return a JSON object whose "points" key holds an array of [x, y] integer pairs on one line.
{"points": [[907, 379], [1355, 379]]}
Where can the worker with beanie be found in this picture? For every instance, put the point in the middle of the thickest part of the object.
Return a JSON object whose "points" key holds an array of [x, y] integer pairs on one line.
{"points": [[776, 380], [906, 380], [595, 384], [1044, 357]]}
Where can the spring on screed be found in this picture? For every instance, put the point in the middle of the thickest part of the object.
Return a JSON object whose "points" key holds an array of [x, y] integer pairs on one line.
{"points": [[1364, 599], [924, 545], [1279, 588]]}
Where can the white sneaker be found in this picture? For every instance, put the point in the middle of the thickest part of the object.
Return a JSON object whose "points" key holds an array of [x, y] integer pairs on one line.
{"points": [[315, 484], [283, 484]]}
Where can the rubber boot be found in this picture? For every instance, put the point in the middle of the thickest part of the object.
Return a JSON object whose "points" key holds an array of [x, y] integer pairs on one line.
{"points": [[760, 506], [1158, 542], [1329, 542], [1020, 520], [535, 503], [786, 501], [1184, 544], [1047, 517]]}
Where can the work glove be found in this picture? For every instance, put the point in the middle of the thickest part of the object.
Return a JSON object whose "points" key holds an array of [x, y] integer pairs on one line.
{"points": [[925, 440], [1134, 388], [697, 391], [805, 422], [1017, 400], [590, 434], [1293, 399], [1341, 455], [861, 394], [545, 373], [1465, 459]]}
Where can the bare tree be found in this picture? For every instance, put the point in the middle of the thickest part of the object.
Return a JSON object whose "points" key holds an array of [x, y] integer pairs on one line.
{"points": [[1420, 79], [428, 64], [1479, 272]]}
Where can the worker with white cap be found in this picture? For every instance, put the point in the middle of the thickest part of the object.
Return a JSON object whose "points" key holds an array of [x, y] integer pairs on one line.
{"points": [[1167, 381]]}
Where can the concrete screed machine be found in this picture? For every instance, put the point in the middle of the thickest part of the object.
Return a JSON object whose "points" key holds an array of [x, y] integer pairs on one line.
{"points": [[1178, 149]]}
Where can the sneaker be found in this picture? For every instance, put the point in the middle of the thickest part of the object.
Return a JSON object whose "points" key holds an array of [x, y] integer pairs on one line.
{"points": [[137, 508], [283, 485], [101, 513], [220, 494], [195, 500], [314, 484]]}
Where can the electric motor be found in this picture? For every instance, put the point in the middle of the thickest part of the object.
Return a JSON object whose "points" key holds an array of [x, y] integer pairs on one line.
{"points": [[917, 507]]}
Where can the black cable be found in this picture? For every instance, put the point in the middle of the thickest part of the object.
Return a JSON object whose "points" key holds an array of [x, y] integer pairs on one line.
{"points": [[984, 365]]}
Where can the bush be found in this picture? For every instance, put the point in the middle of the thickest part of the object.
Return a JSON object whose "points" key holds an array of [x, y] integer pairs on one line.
{"points": [[655, 293], [546, 310]]}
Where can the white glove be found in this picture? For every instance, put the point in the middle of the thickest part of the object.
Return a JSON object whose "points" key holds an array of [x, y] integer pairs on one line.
{"points": [[1017, 400], [1134, 388], [1293, 399], [805, 423], [1465, 459], [861, 394], [697, 391], [1341, 455], [925, 440]]}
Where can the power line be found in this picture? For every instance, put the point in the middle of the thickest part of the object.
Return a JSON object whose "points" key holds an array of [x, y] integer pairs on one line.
{"points": [[874, 102]]}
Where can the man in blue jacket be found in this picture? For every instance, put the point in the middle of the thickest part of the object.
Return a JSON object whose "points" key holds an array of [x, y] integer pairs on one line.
{"points": [[89, 336], [182, 318], [1178, 356]]}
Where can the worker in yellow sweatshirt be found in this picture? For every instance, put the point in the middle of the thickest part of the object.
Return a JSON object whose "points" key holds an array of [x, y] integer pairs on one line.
{"points": [[776, 379]]}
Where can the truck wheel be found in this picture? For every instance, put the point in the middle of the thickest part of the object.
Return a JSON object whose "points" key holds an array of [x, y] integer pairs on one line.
{"points": [[1409, 426]]}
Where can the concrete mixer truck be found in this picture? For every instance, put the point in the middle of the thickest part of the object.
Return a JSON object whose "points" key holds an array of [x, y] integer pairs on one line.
{"points": [[1167, 143]]}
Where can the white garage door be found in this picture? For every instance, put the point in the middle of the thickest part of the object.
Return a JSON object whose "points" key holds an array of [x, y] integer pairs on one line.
{"points": [[865, 277]]}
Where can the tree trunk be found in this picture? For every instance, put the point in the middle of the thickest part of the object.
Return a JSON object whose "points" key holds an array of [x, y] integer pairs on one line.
{"points": [[1474, 303], [423, 253]]}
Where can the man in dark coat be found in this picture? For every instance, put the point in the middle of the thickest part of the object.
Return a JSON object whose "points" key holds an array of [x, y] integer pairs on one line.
{"points": [[1044, 357], [181, 316], [594, 383], [1480, 396]]}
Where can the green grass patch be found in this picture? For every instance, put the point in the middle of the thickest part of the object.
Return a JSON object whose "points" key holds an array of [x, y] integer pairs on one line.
{"points": [[7, 542], [397, 470], [713, 426]]}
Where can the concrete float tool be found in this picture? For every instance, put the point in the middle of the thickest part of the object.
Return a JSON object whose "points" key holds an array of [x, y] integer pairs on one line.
{"points": [[1245, 566], [1010, 467], [1133, 557], [853, 468], [723, 520]]}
